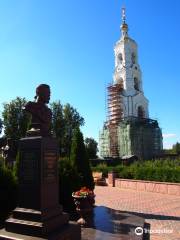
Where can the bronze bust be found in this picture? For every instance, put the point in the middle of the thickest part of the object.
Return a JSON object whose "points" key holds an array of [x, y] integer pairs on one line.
{"points": [[41, 114]]}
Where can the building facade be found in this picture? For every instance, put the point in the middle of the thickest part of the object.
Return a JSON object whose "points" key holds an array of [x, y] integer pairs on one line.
{"points": [[128, 115]]}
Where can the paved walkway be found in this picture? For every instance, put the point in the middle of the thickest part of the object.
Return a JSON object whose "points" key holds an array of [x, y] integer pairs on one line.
{"points": [[161, 211]]}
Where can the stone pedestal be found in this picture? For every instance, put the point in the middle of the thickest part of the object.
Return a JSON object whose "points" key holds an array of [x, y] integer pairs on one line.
{"points": [[38, 213]]}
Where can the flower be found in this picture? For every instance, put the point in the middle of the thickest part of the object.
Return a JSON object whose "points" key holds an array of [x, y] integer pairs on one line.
{"points": [[83, 192]]}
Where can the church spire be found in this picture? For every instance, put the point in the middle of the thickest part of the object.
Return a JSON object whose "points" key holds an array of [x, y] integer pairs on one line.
{"points": [[124, 26], [123, 15]]}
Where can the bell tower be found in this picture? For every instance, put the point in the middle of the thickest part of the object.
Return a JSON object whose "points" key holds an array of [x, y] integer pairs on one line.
{"points": [[128, 73], [128, 130]]}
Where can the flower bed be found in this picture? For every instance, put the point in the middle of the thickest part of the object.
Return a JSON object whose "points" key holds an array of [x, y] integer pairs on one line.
{"points": [[84, 201], [84, 192]]}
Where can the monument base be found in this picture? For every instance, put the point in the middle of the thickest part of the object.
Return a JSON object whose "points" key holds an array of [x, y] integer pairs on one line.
{"points": [[39, 214], [33, 222], [70, 231]]}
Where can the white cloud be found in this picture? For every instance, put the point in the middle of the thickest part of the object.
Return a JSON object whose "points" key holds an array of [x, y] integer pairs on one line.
{"points": [[169, 135], [167, 145]]}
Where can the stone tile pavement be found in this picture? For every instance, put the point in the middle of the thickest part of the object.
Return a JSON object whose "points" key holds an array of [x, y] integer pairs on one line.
{"points": [[161, 211]]}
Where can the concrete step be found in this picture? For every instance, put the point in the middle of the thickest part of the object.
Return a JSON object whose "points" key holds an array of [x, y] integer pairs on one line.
{"points": [[27, 214], [24, 226]]}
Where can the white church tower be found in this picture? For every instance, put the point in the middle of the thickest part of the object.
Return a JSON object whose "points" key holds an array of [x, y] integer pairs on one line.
{"points": [[128, 130], [128, 73]]}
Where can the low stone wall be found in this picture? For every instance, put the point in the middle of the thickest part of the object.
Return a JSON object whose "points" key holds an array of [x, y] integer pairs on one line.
{"points": [[148, 186]]}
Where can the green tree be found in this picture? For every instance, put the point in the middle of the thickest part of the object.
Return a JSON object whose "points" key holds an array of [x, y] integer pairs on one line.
{"points": [[1, 125], [69, 181], [91, 148], [72, 120], [58, 123], [176, 148], [64, 120], [72, 117], [79, 159], [15, 119]]}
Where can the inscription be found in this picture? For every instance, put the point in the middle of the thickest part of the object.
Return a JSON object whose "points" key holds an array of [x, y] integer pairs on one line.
{"points": [[28, 167], [50, 168]]}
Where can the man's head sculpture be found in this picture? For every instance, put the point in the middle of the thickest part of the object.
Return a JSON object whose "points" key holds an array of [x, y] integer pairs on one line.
{"points": [[43, 93], [41, 114]]}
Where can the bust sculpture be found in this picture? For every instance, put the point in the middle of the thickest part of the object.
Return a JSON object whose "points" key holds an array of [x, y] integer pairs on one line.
{"points": [[41, 114]]}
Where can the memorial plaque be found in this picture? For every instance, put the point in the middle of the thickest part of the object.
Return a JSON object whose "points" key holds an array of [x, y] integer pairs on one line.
{"points": [[28, 166], [50, 166]]}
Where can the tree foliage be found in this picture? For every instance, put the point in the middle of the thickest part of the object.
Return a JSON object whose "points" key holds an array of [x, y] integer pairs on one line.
{"points": [[91, 148], [58, 123], [64, 120], [72, 121], [1, 125], [79, 159], [69, 181], [162, 170], [72, 117], [15, 119], [176, 148]]}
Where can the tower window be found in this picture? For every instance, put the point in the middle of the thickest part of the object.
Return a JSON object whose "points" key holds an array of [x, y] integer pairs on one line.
{"points": [[120, 58], [133, 58], [136, 84], [141, 112]]}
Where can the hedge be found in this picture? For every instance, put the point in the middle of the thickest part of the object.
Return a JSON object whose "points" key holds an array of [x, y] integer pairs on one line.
{"points": [[154, 170]]}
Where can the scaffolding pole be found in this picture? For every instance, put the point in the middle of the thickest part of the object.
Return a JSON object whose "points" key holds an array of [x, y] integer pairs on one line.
{"points": [[115, 113]]}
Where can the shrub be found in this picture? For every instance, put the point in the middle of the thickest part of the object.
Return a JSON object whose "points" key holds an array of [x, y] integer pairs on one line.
{"points": [[164, 170], [155, 170], [79, 159], [8, 192], [102, 167], [126, 172], [69, 181], [1, 161]]}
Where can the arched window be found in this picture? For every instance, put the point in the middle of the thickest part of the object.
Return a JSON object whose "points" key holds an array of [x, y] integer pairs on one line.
{"points": [[141, 113], [133, 58], [136, 83], [120, 58]]}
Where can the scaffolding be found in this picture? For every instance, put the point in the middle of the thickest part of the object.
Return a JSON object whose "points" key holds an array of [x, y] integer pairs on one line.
{"points": [[125, 136], [141, 137], [115, 113]]}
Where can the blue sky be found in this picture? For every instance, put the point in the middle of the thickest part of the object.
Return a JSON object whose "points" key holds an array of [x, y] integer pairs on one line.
{"points": [[69, 45]]}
